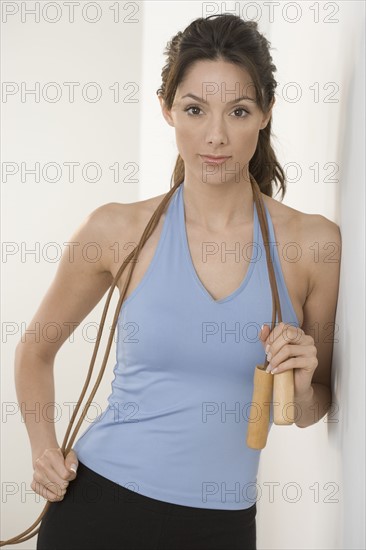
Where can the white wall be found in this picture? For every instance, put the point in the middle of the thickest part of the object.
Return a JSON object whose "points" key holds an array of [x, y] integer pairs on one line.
{"points": [[327, 456], [35, 214], [319, 52], [349, 377]]}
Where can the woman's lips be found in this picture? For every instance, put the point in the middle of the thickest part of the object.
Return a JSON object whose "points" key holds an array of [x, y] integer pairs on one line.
{"points": [[213, 160]]}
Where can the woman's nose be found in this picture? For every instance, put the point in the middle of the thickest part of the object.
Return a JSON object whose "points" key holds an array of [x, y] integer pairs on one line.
{"points": [[216, 134]]}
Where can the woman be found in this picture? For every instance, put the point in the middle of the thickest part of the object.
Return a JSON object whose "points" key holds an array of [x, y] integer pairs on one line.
{"points": [[166, 464]]}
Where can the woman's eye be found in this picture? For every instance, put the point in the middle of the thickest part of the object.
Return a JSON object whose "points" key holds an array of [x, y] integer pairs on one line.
{"points": [[199, 109], [193, 107], [241, 109]]}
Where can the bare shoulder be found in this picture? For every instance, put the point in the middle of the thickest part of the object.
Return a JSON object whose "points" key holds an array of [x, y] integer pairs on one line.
{"points": [[297, 224], [116, 215], [119, 226], [318, 239]]}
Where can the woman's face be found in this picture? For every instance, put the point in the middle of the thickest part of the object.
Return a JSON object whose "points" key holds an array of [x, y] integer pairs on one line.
{"points": [[222, 126]]}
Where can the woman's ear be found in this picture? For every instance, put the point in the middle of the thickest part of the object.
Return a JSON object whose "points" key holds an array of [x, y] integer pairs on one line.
{"points": [[267, 116], [166, 112]]}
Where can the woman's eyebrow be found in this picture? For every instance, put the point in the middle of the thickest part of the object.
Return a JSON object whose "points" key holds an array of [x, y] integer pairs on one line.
{"points": [[229, 102]]}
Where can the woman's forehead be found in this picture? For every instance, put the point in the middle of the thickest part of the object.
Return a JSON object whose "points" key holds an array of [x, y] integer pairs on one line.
{"points": [[216, 79]]}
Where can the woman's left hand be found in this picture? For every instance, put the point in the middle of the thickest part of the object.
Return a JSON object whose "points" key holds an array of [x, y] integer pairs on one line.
{"points": [[288, 347]]}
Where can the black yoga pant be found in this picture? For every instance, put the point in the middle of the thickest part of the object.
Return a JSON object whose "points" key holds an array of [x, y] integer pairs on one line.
{"points": [[98, 514]]}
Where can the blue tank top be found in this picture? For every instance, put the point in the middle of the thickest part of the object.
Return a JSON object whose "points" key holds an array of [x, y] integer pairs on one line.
{"points": [[176, 422]]}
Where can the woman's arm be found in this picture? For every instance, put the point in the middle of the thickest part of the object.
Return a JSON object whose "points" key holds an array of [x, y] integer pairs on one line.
{"points": [[34, 384], [324, 257], [79, 284]]}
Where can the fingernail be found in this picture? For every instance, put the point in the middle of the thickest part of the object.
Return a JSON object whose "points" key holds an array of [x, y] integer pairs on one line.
{"points": [[268, 369], [267, 348], [73, 467]]}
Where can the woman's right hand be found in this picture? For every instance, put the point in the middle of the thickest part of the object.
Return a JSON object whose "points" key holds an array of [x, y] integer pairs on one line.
{"points": [[52, 473]]}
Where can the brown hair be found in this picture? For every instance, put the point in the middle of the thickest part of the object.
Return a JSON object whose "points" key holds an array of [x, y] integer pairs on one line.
{"points": [[228, 37], [221, 36]]}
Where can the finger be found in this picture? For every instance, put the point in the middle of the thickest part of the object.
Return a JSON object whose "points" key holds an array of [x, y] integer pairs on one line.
{"points": [[60, 482], [274, 334], [49, 484], [53, 488], [299, 362], [293, 334], [46, 474], [64, 474], [46, 490], [285, 353], [264, 332], [56, 462], [70, 467], [283, 335]]}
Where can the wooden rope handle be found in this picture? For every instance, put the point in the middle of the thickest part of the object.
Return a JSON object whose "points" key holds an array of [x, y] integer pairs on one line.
{"points": [[266, 386]]}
